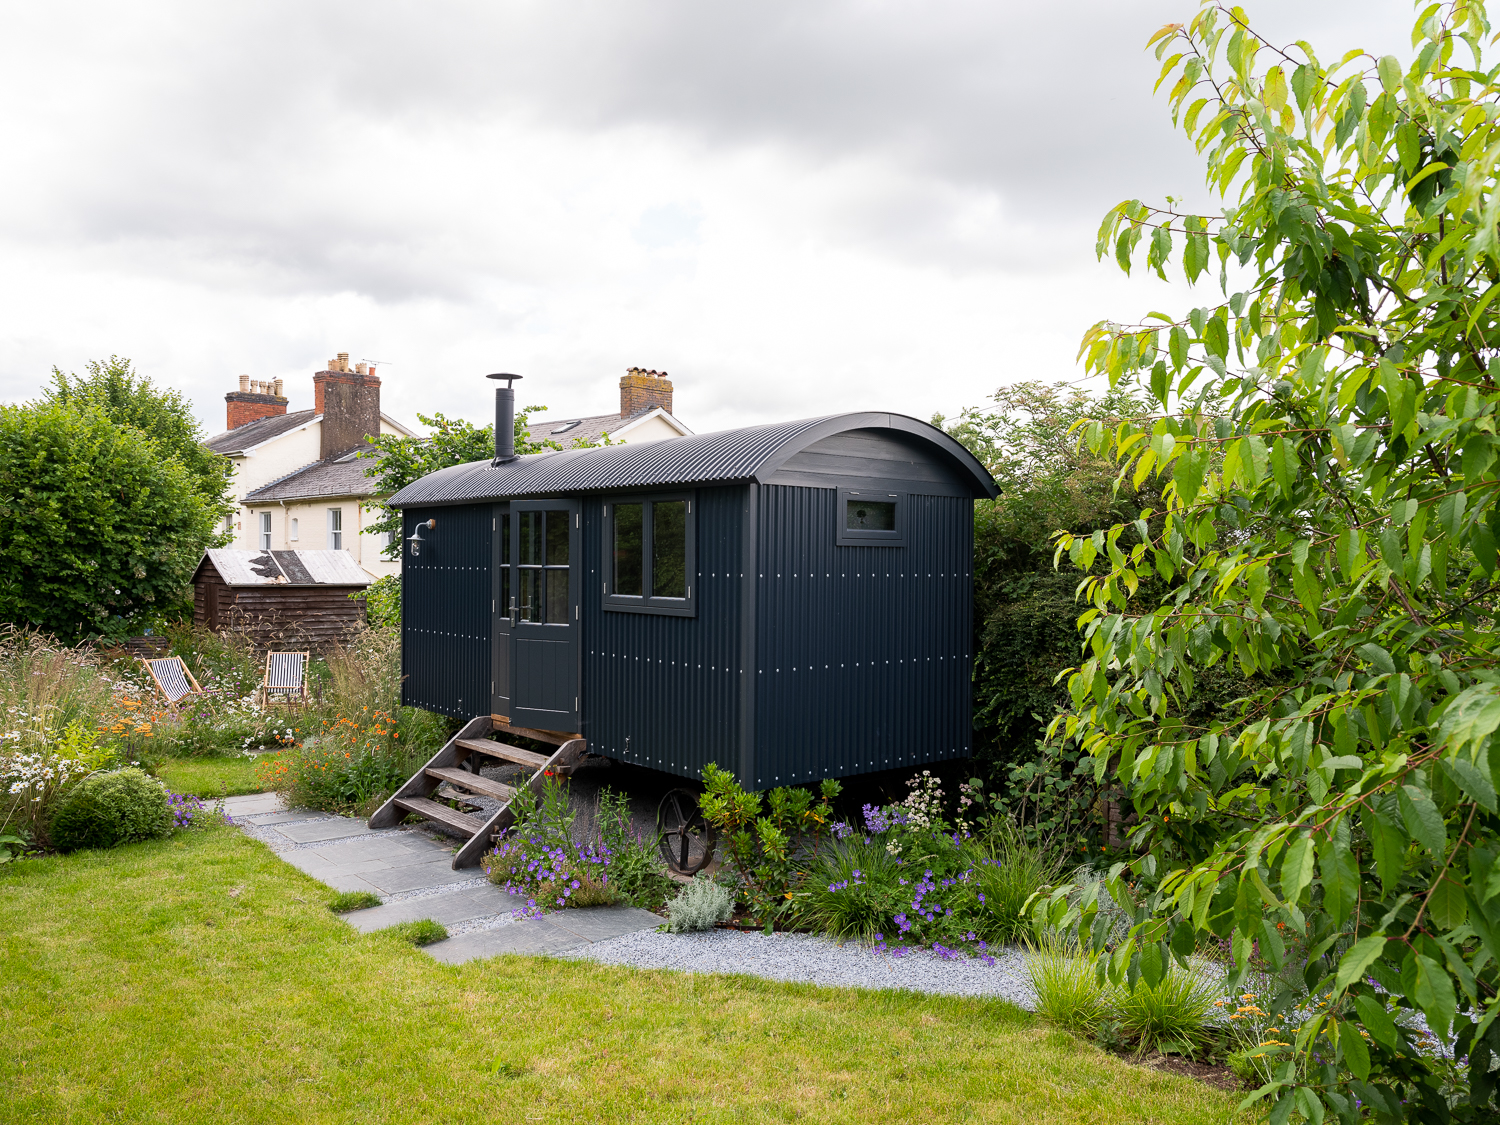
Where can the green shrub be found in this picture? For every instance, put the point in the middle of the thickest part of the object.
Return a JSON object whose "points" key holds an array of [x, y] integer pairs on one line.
{"points": [[1010, 869], [854, 889], [421, 932], [635, 867], [1068, 992], [699, 906], [108, 809], [345, 901], [1170, 1013]]}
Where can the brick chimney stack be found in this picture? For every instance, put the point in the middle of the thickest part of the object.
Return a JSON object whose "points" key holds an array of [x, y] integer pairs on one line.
{"points": [[642, 390], [349, 401], [253, 401]]}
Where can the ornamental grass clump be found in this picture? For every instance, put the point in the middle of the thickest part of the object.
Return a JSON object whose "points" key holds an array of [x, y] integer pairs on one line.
{"points": [[1068, 991], [700, 905], [1168, 1015]]}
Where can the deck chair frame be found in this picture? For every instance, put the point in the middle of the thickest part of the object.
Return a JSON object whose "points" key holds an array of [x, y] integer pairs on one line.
{"points": [[298, 692], [193, 688]]}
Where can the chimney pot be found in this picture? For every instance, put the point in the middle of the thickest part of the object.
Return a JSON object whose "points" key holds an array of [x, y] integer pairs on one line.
{"points": [[343, 361], [244, 383], [359, 368], [276, 388], [642, 390]]}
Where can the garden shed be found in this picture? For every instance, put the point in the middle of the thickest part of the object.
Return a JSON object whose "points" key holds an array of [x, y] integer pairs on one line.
{"points": [[791, 601], [280, 597]]}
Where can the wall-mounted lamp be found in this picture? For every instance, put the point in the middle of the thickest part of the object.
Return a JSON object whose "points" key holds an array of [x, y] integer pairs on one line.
{"points": [[416, 540]]}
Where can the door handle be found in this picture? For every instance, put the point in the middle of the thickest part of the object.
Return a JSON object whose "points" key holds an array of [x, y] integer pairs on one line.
{"points": [[513, 612]]}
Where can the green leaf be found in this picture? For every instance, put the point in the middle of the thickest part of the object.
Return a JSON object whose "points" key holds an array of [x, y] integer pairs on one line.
{"points": [[1297, 868], [1432, 989], [1473, 781], [1389, 68], [1284, 465], [1446, 904], [1188, 474], [1377, 1021], [1356, 1052], [1423, 820], [1340, 872], [1360, 956], [1216, 337], [1177, 347], [1378, 657]]}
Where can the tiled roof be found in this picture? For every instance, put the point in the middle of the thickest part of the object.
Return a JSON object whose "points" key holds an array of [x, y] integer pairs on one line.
{"points": [[262, 429], [343, 476], [567, 432]]}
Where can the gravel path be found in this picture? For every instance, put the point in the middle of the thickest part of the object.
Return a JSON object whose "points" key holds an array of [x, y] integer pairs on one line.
{"points": [[799, 957]]}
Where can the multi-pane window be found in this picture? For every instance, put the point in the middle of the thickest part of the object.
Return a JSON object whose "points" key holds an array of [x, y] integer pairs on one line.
{"points": [[265, 531], [335, 529], [542, 566], [649, 556], [870, 518]]}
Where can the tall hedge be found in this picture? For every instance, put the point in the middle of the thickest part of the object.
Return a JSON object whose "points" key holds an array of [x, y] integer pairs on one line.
{"points": [[98, 530]]}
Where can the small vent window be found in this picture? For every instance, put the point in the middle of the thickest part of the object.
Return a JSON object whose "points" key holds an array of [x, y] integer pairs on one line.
{"points": [[265, 531], [335, 529], [292, 535], [870, 518]]}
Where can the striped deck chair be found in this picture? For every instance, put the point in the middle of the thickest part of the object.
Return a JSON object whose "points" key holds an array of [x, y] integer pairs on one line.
{"points": [[172, 678], [286, 676]]}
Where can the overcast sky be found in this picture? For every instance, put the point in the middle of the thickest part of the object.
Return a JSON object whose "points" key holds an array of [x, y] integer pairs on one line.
{"points": [[795, 208]]}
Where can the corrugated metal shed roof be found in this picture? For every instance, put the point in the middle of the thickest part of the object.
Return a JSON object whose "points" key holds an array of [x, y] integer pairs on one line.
{"points": [[726, 457], [267, 568]]}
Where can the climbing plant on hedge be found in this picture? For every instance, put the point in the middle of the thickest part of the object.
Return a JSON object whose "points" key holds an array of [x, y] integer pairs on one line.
{"points": [[1326, 441]]}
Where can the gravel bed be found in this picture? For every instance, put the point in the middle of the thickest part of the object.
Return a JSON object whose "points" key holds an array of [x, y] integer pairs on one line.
{"points": [[801, 957]]}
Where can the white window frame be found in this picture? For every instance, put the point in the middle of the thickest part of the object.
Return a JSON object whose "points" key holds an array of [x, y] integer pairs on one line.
{"points": [[292, 535], [265, 531], [335, 529]]}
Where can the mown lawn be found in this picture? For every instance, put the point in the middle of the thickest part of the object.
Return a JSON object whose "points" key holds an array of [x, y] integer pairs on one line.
{"points": [[201, 979], [209, 777]]}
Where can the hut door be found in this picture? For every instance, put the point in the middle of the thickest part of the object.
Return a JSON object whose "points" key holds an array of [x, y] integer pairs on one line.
{"points": [[504, 590], [546, 632]]}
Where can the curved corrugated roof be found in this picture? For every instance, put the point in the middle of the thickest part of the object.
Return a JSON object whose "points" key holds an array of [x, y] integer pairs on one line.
{"points": [[726, 457]]}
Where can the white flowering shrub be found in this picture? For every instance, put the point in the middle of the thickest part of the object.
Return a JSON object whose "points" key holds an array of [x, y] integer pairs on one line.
{"points": [[700, 905]]}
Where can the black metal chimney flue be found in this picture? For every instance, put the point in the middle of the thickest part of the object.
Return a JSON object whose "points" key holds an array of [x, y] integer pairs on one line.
{"points": [[505, 420]]}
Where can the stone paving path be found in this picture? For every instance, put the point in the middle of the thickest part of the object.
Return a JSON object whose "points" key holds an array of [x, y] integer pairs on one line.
{"points": [[411, 870]]}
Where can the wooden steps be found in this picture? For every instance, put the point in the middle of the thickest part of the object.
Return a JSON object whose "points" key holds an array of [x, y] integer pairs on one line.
{"points": [[472, 782], [464, 822], [505, 753], [445, 767]]}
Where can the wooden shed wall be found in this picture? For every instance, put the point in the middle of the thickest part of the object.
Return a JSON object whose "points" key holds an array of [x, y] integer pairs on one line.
{"points": [[316, 616]]}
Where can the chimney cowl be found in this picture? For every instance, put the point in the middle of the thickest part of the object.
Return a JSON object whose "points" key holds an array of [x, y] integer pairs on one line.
{"points": [[642, 390], [244, 384]]}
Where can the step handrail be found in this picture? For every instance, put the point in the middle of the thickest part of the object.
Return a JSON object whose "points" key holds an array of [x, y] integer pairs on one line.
{"points": [[390, 814]]}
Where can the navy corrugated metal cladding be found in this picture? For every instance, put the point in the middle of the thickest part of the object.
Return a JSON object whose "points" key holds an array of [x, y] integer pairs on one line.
{"points": [[445, 612], [805, 658], [863, 652], [664, 691]]}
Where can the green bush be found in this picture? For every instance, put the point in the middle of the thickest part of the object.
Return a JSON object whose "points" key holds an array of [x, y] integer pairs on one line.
{"points": [[854, 889], [1009, 871], [635, 867], [109, 809], [1170, 1013], [1068, 991], [700, 906]]}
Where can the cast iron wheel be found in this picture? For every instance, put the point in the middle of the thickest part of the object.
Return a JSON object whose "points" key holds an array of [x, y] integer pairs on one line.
{"points": [[685, 838]]}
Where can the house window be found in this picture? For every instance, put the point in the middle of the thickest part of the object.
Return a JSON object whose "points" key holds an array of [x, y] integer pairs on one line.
{"points": [[870, 518], [265, 531], [649, 562], [335, 529], [229, 524], [542, 567], [292, 535]]}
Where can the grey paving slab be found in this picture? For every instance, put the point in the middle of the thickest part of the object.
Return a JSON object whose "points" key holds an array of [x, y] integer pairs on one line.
{"points": [[329, 829], [251, 803], [539, 936], [280, 817], [598, 923], [396, 853], [418, 876], [449, 909]]}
